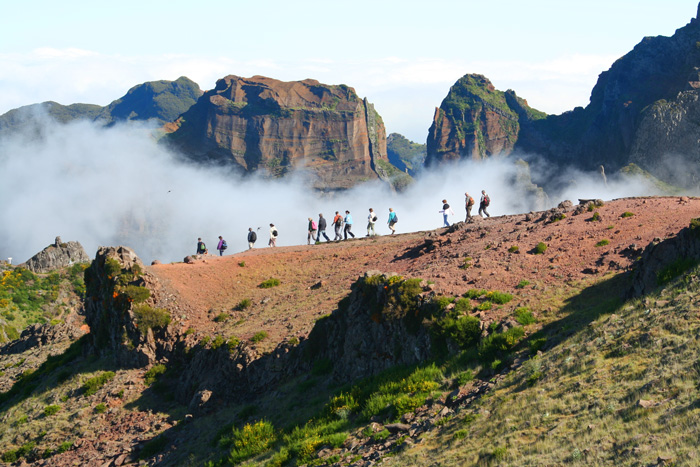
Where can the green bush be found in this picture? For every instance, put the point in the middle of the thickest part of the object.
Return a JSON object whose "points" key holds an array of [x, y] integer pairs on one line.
{"points": [[463, 305], [243, 304], [221, 317], [269, 283], [153, 373], [101, 408], [501, 298], [51, 410], [673, 270], [498, 344], [136, 294], [474, 293], [513, 249], [92, 385], [465, 331], [484, 306], [522, 284], [603, 242], [535, 345], [218, 342], [626, 214], [596, 217], [259, 337], [540, 248], [148, 317], [524, 316], [251, 440]]}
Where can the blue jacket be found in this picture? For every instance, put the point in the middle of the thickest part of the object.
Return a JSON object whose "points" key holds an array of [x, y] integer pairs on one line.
{"points": [[348, 219]]}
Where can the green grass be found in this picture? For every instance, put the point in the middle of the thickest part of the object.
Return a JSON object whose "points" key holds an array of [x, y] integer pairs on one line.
{"points": [[153, 373], [522, 284], [269, 283], [92, 385], [603, 242], [259, 337], [626, 214]]}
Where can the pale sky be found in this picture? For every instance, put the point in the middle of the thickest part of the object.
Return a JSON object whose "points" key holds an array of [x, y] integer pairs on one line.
{"points": [[402, 55]]}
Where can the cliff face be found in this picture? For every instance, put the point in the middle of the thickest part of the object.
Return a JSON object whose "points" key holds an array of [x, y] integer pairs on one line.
{"points": [[642, 110], [261, 123], [476, 121]]}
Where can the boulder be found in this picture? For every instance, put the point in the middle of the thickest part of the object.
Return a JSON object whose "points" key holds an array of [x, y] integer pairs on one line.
{"points": [[57, 255]]}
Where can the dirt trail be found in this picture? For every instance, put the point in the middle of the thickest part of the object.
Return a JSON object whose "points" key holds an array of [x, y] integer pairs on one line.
{"points": [[314, 278]]}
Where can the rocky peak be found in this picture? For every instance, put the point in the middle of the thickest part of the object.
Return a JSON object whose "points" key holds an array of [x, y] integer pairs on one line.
{"points": [[263, 124], [476, 121], [57, 255]]}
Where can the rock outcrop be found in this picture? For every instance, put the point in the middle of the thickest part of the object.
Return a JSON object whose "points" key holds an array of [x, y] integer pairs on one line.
{"points": [[476, 121], [262, 124], [644, 110], [57, 256]]}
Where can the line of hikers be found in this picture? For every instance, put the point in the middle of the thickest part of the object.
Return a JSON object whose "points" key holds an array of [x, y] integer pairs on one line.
{"points": [[468, 204], [343, 225]]}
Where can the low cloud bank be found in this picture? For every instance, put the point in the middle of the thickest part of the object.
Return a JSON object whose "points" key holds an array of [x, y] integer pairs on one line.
{"points": [[116, 186]]}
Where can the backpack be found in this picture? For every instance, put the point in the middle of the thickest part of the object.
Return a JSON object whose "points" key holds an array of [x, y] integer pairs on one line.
{"points": [[396, 218], [313, 225], [470, 202], [253, 237], [487, 200], [224, 245], [274, 232], [374, 218], [202, 248]]}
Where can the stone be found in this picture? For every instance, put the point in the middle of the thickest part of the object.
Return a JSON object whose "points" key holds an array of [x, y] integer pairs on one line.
{"points": [[57, 255]]}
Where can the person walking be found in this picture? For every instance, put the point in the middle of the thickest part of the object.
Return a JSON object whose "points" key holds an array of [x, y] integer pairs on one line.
{"points": [[273, 235], [446, 210], [221, 246], [322, 228], [348, 225], [252, 238], [338, 223], [393, 219], [484, 203], [312, 232], [371, 220], [201, 247], [468, 204]]}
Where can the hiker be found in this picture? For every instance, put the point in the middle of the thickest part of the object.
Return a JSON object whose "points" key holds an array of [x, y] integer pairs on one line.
{"points": [[468, 203], [348, 225], [322, 228], [273, 235], [338, 223], [484, 203], [221, 246], [393, 219], [371, 219], [252, 238], [446, 210], [201, 247], [312, 232]]}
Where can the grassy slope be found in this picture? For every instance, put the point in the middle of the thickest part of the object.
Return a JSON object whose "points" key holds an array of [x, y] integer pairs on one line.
{"points": [[622, 388]]}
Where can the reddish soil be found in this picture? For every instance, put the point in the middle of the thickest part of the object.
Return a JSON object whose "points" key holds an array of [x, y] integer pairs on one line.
{"points": [[314, 278]]}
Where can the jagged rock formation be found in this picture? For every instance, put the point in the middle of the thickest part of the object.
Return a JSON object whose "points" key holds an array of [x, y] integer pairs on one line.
{"points": [[476, 121], [57, 256], [262, 124], [644, 110], [160, 101]]}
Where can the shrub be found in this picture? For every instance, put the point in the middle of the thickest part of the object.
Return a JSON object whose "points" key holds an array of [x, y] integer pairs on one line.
{"points": [[463, 305], [269, 283], [92, 385], [626, 214], [536, 345], [460, 434], [148, 317], [497, 344], [232, 343], [243, 304], [540, 248], [474, 293], [217, 342], [136, 294], [259, 336], [695, 226], [596, 217], [64, 446], [249, 441], [603, 242], [221, 317], [101, 408], [524, 316], [51, 410], [465, 331], [487, 305], [153, 373], [293, 340], [513, 249], [522, 284], [501, 298], [242, 264], [466, 264], [112, 267]]}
